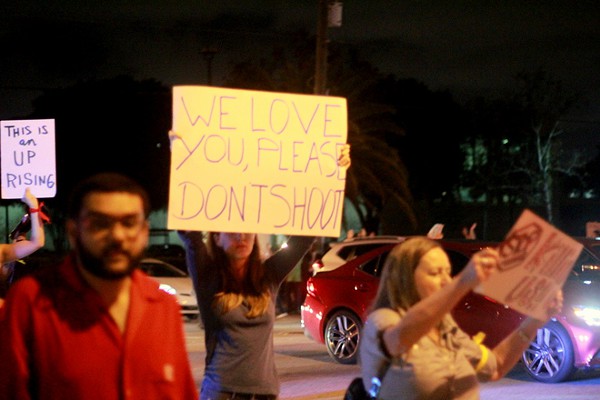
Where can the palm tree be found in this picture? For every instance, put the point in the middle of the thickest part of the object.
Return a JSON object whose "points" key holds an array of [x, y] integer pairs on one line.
{"points": [[377, 177]]}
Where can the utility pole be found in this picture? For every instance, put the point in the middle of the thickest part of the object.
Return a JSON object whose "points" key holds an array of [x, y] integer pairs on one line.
{"points": [[321, 53], [209, 53], [329, 15]]}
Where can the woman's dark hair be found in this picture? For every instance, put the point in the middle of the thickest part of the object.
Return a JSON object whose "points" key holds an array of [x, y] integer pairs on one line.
{"points": [[252, 289], [254, 282]]}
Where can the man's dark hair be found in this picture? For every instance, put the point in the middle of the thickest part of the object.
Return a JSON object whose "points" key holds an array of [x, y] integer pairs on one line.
{"points": [[105, 182]]}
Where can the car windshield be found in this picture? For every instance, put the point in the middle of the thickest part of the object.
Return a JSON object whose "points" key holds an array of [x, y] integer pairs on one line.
{"points": [[587, 267], [159, 269]]}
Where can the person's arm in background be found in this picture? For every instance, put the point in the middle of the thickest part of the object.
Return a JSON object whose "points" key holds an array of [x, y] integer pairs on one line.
{"points": [[37, 238]]}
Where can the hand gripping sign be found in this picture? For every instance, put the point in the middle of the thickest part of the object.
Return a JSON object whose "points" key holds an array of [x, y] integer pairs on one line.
{"points": [[251, 161], [535, 260]]}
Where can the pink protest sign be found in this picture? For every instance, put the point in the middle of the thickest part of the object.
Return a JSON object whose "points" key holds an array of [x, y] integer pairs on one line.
{"points": [[535, 260]]}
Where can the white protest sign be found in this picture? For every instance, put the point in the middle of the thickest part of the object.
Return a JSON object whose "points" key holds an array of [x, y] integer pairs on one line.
{"points": [[28, 158], [254, 161], [535, 260]]}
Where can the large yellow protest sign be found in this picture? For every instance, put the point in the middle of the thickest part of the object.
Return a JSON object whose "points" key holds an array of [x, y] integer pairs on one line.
{"points": [[254, 161]]}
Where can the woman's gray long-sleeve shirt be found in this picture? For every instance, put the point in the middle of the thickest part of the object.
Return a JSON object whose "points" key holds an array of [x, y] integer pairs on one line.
{"points": [[239, 350]]}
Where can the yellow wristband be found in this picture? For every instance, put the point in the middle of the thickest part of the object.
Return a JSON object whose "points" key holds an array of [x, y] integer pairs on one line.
{"points": [[485, 353]]}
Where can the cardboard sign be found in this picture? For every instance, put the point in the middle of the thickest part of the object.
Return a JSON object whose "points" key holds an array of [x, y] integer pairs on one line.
{"points": [[592, 229], [28, 158], [535, 260], [252, 161]]}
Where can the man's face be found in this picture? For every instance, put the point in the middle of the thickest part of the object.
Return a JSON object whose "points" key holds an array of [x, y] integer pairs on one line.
{"points": [[110, 234]]}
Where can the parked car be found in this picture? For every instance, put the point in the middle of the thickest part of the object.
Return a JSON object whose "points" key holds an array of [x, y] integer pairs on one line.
{"points": [[337, 303], [342, 252], [173, 254], [173, 281]]}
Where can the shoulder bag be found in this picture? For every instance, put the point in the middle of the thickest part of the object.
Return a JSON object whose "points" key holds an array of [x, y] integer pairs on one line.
{"points": [[356, 389]]}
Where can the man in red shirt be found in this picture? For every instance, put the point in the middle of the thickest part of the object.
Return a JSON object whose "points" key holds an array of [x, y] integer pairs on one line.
{"points": [[95, 326]]}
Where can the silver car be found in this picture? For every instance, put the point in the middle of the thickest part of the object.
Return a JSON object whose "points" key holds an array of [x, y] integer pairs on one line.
{"points": [[173, 281]]}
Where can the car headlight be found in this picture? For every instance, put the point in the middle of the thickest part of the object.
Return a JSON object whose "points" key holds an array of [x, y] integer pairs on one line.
{"points": [[590, 315], [168, 288]]}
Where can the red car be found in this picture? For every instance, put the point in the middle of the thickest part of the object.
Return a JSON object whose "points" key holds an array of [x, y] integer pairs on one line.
{"points": [[337, 303]]}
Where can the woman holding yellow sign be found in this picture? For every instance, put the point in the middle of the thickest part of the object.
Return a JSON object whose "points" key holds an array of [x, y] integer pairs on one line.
{"points": [[237, 291]]}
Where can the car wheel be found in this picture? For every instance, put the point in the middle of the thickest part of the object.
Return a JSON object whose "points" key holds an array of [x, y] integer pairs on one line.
{"points": [[549, 358], [342, 336]]}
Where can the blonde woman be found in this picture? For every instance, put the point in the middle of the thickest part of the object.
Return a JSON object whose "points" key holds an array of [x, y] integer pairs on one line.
{"points": [[411, 329]]}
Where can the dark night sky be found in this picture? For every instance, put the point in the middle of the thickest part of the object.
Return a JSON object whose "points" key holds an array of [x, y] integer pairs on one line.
{"points": [[465, 46]]}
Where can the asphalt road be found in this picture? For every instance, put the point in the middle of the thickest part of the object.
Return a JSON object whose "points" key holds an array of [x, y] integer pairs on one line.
{"points": [[307, 372]]}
